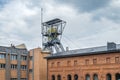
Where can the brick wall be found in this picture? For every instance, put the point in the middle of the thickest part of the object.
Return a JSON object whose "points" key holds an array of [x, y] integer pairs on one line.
{"points": [[40, 65], [101, 65]]}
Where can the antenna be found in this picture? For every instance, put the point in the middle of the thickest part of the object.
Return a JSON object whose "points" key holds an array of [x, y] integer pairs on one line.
{"points": [[42, 23], [41, 19]]}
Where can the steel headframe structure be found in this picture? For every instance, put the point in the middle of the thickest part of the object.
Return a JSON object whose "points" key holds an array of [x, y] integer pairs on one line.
{"points": [[51, 34]]}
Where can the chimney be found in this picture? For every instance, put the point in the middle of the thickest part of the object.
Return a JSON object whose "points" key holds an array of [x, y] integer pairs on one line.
{"points": [[111, 46]]}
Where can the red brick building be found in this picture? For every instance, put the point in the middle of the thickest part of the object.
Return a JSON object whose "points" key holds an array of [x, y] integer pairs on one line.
{"points": [[97, 63]]}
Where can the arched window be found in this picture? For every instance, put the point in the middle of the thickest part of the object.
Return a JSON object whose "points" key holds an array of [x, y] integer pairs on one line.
{"points": [[87, 77], [117, 76], [58, 77], [69, 77], [53, 77], [108, 76], [75, 77], [95, 77]]}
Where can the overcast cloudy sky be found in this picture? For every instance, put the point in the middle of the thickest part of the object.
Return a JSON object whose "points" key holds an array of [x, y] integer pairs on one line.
{"points": [[89, 22]]}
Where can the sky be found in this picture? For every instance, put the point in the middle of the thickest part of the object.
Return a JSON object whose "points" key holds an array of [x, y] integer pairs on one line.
{"points": [[90, 23]]}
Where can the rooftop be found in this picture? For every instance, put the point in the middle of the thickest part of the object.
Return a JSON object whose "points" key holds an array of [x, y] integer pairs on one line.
{"points": [[13, 49], [54, 21], [110, 48]]}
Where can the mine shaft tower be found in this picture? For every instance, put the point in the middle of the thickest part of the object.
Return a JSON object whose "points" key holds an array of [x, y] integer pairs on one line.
{"points": [[51, 34]]}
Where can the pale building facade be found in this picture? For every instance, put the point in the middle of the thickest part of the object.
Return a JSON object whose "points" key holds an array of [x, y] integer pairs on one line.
{"points": [[17, 63], [13, 63]]}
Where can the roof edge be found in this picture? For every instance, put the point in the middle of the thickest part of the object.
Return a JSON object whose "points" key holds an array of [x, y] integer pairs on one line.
{"points": [[83, 54]]}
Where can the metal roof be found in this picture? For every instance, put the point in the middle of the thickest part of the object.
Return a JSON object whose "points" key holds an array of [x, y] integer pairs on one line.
{"points": [[54, 21], [86, 51]]}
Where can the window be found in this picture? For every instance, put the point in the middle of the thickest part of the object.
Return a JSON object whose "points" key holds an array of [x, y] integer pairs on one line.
{"points": [[23, 79], [108, 76], [53, 77], [86, 61], [23, 67], [2, 66], [13, 78], [31, 57], [94, 61], [87, 77], [30, 70], [58, 77], [68, 63], [95, 77], [107, 60], [117, 76], [75, 62], [69, 77], [116, 59], [13, 57], [2, 56], [58, 64], [75, 77], [52, 64], [13, 66], [23, 57]]}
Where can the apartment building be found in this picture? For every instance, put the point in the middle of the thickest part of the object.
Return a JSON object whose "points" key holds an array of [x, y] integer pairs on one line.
{"points": [[13, 63], [17, 63]]}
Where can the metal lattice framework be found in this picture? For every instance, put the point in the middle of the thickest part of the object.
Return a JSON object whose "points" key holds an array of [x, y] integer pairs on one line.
{"points": [[51, 34]]}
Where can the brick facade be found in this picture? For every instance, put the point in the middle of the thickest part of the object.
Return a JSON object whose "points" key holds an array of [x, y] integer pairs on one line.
{"points": [[38, 64], [104, 66]]}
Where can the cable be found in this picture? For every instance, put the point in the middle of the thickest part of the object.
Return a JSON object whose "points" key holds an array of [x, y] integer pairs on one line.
{"points": [[73, 43], [66, 43]]}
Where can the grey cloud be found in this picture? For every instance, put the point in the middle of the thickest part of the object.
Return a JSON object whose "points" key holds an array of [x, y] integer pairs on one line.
{"points": [[34, 3], [3, 2], [23, 27], [86, 5], [26, 27], [111, 13], [98, 8]]}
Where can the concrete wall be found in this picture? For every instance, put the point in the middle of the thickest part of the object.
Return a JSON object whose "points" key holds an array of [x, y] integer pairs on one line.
{"points": [[12, 72], [37, 64]]}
